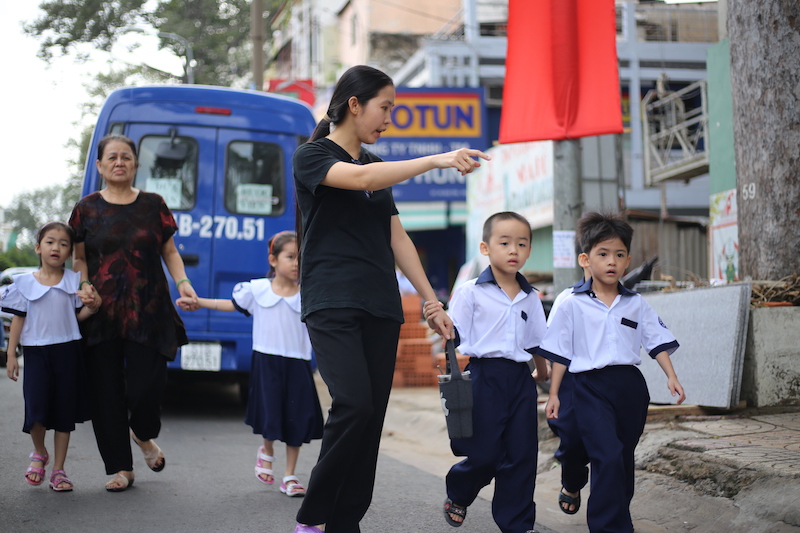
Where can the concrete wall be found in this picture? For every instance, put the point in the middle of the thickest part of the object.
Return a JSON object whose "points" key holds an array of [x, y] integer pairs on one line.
{"points": [[771, 374]]}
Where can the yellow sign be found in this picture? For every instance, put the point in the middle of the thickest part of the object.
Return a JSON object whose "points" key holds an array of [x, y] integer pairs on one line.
{"points": [[436, 114]]}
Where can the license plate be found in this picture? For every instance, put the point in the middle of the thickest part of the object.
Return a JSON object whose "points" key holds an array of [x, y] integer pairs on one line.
{"points": [[205, 356]]}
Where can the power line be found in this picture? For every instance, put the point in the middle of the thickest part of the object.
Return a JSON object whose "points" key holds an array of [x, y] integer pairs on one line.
{"points": [[414, 11]]}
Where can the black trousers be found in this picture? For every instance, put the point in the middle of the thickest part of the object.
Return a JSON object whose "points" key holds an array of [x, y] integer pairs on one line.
{"points": [[126, 384], [356, 354]]}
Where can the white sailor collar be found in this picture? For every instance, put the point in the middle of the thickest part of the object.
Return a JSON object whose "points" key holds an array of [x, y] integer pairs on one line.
{"points": [[31, 289], [266, 297]]}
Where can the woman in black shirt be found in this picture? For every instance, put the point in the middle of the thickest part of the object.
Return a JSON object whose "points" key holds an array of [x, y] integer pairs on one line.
{"points": [[351, 238]]}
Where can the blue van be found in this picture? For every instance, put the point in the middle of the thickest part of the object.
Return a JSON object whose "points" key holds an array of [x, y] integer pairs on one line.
{"points": [[221, 158]]}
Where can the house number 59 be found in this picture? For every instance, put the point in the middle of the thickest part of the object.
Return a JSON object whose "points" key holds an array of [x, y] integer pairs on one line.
{"points": [[749, 191]]}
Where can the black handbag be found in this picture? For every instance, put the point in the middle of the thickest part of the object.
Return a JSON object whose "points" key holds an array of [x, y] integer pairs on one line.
{"points": [[455, 391]]}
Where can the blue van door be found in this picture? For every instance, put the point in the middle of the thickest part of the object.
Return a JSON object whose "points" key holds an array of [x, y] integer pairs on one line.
{"points": [[186, 182], [252, 202], [229, 190]]}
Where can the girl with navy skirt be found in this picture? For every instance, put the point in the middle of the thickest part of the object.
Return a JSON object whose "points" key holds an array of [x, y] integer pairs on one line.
{"points": [[46, 312], [283, 403]]}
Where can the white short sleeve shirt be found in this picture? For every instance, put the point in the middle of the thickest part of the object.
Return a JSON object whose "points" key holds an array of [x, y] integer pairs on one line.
{"points": [[586, 334], [277, 328], [49, 311], [491, 325]]}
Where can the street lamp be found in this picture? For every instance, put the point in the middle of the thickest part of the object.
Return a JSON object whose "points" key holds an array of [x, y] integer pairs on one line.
{"points": [[189, 53], [186, 45]]}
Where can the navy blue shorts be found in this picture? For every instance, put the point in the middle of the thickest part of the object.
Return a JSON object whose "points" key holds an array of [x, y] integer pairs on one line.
{"points": [[54, 385]]}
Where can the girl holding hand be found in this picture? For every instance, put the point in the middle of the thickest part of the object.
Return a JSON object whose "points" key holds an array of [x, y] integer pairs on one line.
{"points": [[46, 312]]}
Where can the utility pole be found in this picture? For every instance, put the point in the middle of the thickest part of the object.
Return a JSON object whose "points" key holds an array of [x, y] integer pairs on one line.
{"points": [[257, 33], [567, 206]]}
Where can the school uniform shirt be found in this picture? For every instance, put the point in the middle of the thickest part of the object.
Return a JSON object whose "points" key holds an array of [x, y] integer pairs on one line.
{"points": [[277, 329], [49, 312], [491, 325], [563, 295], [346, 253], [586, 334]]}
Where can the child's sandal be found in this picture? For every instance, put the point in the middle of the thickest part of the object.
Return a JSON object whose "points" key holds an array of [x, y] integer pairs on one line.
{"points": [[59, 478], [454, 509], [262, 458], [292, 489], [44, 459]]}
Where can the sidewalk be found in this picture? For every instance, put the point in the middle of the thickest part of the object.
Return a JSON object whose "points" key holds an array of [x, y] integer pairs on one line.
{"points": [[738, 472]]}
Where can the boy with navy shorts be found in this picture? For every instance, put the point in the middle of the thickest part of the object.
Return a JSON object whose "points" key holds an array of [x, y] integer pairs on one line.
{"points": [[596, 335], [499, 322]]}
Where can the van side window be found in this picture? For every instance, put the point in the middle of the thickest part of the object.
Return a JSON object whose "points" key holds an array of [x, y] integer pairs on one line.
{"points": [[254, 179], [168, 166]]}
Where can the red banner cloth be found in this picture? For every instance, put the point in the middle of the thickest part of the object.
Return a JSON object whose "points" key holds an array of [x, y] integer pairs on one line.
{"points": [[562, 80]]}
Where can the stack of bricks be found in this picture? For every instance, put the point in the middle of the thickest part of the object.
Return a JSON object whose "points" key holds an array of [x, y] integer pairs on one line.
{"points": [[415, 365], [440, 360]]}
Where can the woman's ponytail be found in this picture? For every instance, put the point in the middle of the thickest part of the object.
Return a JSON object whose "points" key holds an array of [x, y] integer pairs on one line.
{"points": [[323, 129]]}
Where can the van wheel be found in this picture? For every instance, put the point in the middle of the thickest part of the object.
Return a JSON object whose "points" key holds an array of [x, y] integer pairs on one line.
{"points": [[244, 388]]}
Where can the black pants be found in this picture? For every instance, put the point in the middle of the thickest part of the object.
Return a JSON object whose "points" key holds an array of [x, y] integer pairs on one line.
{"points": [[356, 354], [126, 383]]}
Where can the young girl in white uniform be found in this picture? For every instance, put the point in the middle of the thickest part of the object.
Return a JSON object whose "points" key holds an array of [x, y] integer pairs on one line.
{"points": [[46, 313], [283, 403]]}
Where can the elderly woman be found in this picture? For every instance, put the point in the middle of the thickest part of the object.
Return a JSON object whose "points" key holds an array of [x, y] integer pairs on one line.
{"points": [[122, 234]]}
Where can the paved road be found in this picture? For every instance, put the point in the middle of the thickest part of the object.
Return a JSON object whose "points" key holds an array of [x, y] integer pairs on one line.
{"points": [[208, 484]]}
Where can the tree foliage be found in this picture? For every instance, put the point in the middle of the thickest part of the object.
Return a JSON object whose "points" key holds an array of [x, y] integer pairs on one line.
{"points": [[17, 257], [219, 30], [68, 22], [33, 209]]}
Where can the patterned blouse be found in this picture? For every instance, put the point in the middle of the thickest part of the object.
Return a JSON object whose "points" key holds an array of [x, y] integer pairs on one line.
{"points": [[123, 251]]}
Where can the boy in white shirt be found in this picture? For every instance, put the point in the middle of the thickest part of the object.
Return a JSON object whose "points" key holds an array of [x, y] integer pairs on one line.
{"points": [[597, 333], [499, 322], [571, 452]]}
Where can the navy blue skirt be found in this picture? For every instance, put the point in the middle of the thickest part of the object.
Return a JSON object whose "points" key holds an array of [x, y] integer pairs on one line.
{"points": [[283, 403], [54, 386]]}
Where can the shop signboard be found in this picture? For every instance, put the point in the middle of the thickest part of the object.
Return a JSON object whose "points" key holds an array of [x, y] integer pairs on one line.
{"points": [[427, 121]]}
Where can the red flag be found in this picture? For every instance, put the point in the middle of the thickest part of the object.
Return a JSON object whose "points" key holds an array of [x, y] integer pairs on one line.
{"points": [[562, 80]]}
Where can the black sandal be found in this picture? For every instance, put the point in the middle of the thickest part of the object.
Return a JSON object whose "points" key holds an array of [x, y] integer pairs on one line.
{"points": [[452, 508], [569, 500]]}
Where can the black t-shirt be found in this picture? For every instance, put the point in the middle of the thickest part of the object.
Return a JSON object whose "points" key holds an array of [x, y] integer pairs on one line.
{"points": [[346, 258]]}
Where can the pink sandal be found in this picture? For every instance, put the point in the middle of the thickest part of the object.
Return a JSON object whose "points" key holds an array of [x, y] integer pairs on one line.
{"points": [[59, 477], [44, 459], [262, 458]]}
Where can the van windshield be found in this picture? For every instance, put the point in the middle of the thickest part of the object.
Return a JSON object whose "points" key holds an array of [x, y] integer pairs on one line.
{"points": [[168, 166], [254, 179]]}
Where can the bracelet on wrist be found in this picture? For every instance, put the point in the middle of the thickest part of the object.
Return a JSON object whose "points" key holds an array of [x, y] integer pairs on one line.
{"points": [[80, 285], [178, 283]]}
